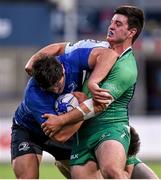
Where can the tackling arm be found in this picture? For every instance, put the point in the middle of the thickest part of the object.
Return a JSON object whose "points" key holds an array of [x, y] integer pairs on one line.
{"points": [[67, 130], [53, 49], [101, 61], [86, 110], [65, 133]]}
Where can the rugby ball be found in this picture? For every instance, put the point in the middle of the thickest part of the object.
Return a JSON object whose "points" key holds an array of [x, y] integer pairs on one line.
{"points": [[65, 103]]}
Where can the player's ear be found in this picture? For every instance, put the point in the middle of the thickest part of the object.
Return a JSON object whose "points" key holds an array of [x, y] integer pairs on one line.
{"points": [[133, 31]]}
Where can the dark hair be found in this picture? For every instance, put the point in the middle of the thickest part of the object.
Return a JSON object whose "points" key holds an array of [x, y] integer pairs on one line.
{"points": [[135, 18], [47, 71], [134, 142]]}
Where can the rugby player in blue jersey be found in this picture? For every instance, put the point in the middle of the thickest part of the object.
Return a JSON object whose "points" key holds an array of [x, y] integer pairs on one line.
{"points": [[28, 139]]}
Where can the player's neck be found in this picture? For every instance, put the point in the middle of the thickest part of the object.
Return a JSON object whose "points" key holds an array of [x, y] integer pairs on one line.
{"points": [[121, 48]]}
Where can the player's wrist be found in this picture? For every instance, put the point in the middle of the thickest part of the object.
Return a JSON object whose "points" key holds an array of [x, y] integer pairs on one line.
{"points": [[62, 119], [86, 109], [92, 85]]}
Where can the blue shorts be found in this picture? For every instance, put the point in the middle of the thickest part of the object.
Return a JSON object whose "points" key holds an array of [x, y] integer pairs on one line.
{"points": [[24, 141]]}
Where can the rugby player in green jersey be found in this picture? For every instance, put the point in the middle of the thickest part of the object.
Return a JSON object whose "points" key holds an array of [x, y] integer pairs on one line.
{"points": [[103, 141]]}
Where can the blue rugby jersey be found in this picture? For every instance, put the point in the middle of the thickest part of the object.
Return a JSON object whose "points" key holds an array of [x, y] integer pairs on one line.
{"points": [[36, 101]]}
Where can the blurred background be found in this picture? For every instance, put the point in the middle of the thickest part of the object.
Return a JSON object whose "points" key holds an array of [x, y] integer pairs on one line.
{"points": [[28, 25]]}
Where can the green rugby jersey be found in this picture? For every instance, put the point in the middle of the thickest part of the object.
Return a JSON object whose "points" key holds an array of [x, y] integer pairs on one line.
{"points": [[121, 84]]}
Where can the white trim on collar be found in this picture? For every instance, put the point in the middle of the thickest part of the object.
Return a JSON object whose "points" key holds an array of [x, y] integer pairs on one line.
{"points": [[125, 51]]}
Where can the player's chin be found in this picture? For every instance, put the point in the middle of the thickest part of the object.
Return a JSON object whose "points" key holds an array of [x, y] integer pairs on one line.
{"points": [[109, 39]]}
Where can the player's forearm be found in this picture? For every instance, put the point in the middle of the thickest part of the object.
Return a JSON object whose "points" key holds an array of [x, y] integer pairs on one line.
{"points": [[66, 132], [53, 49], [71, 117], [84, 111]]}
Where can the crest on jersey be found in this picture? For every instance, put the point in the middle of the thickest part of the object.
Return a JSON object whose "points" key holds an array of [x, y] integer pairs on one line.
{"points": [[24, 146]]}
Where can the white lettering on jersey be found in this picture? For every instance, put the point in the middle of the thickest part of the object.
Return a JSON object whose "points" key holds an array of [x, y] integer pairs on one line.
{"points": [[72, 86], [88, 43]]}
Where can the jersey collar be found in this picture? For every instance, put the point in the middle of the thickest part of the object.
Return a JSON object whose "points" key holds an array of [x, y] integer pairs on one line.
{"points": [[126, 51]]}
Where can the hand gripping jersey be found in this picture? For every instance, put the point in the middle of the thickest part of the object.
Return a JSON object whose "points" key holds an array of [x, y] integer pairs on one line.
{"points": [[36, 101]]}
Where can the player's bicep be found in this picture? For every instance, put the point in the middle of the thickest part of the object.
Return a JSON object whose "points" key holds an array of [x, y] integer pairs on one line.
{"points": [[50, 50], [54, 49]]}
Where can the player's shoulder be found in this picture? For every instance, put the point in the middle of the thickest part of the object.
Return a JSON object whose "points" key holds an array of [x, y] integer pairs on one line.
{"points": [[34, 93], [32, 86], [85, 43]]}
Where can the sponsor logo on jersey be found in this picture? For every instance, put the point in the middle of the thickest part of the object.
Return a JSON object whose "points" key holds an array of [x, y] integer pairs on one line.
{"points": [[113, 88]]}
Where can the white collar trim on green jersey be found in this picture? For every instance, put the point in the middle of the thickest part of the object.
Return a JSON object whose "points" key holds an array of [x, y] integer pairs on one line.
{"points": [[126, 50]]}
